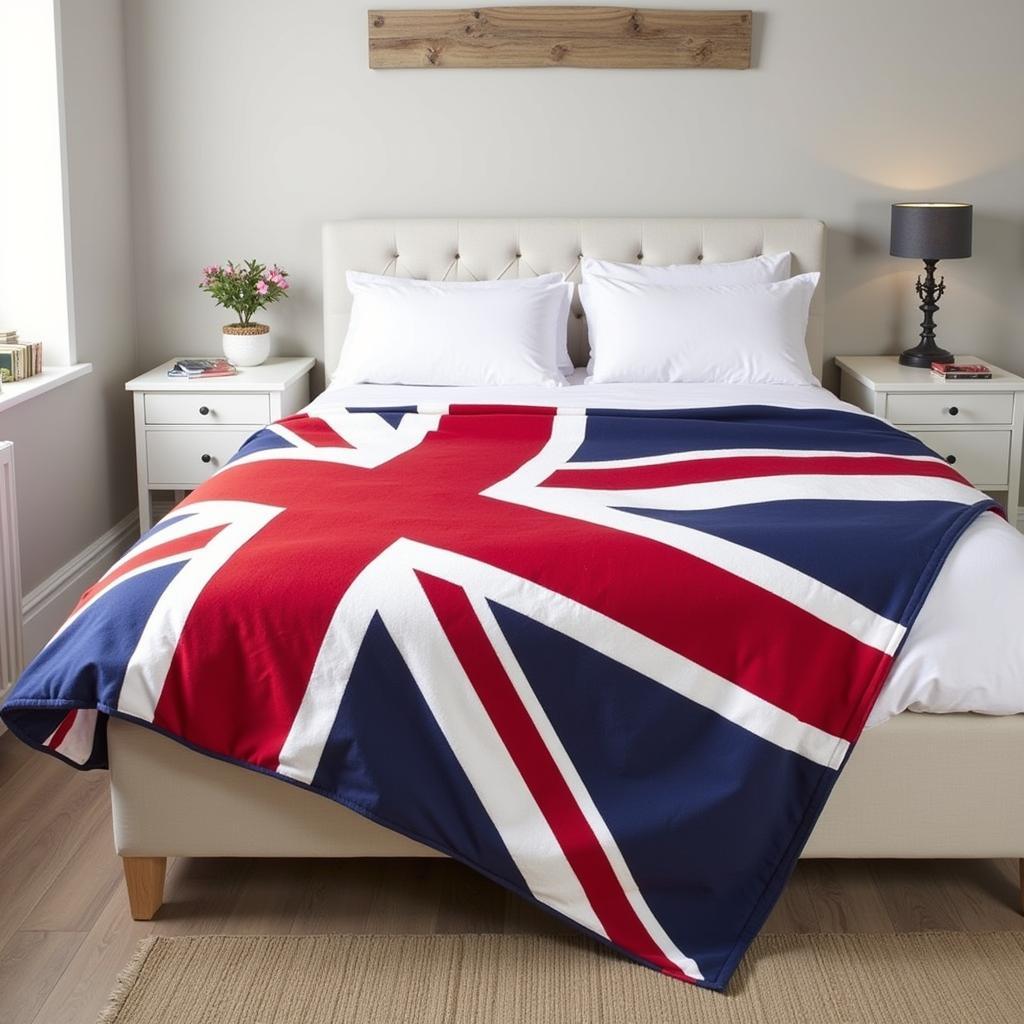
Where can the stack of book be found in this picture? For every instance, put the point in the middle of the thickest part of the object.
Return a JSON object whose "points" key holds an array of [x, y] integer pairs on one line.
{"points": [[194, 369], [961, 371], [19, 360]]}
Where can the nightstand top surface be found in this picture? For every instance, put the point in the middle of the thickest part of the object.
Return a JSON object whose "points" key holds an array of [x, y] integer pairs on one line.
{"points": [[884, 373], [276, 374]]}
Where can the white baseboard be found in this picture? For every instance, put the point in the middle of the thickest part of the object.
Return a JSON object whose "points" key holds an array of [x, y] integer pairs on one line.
{"points": [[47, 606]]}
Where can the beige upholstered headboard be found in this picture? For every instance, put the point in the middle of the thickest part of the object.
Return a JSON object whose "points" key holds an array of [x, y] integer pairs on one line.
{"points": [[474, 250]]}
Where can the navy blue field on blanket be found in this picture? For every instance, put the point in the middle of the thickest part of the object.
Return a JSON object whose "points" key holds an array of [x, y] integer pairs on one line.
{"points": [[678, 785], [885, 536], [387, 754], [263, 441], [391, 414], [627, 434], [171, 520], [87, 665]]}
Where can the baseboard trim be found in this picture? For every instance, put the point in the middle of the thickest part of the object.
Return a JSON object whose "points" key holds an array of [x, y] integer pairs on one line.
{"points": [[44, 608]]}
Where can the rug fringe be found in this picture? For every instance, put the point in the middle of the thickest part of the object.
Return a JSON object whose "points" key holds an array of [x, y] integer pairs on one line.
{"points": [[125, 982]]}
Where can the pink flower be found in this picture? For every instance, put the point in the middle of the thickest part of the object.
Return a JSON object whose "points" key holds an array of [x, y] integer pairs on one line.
{"points": [[283, 285], [262, 287]]}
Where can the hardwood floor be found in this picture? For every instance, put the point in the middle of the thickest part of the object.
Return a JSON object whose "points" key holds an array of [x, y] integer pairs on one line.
{"points": [[65, 930]]}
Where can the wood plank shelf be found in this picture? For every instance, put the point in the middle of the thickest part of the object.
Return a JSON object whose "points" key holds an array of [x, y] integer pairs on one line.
{"points": [[541, 36]]}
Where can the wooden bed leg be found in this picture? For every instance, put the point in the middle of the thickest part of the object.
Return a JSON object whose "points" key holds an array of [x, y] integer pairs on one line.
{"points": [[1020, 863], [144, 877]]}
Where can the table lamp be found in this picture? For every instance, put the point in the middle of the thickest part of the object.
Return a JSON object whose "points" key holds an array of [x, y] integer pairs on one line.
{"points": [[930, 232]]}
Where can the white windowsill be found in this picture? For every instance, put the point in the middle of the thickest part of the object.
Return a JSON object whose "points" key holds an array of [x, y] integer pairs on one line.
{"points": [[50, 378]]}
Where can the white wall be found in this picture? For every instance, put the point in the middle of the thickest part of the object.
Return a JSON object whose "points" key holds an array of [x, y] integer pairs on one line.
{"points": [[252, 122], [74, 452]]}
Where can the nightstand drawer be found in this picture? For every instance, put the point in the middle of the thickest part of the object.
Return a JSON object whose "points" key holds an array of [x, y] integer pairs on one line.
{"points": [[176, 457], [970, 407], [983, 456], [221, 407]]}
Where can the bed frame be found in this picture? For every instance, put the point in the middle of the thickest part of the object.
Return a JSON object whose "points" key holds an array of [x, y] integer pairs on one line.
{"points": [[918, 786]]}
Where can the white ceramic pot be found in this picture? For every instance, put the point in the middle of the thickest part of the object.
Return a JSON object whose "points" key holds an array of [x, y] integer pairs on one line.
{"points": [[249, 348]]}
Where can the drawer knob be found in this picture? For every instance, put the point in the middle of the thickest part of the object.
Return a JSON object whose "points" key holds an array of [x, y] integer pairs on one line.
{"points": [[209, 458], [954, 411], [951, 459], [204, 410]]}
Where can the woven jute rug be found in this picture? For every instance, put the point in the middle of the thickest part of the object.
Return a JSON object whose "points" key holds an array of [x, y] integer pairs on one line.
{"points": [[933, 977]]}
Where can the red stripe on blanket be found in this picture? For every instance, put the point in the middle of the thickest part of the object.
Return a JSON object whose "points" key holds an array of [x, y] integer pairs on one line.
{"points": [[315, 431], [541, 773], [743, 467], [62, 730], [179, 546]]}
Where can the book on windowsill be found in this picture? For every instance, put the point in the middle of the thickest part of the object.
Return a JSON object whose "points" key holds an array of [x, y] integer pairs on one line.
{"points": [[961, 371], [19, 360], [194, 369]]}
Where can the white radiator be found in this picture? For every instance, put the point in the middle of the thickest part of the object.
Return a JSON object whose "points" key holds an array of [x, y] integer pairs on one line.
{"points": [[11, 644]]}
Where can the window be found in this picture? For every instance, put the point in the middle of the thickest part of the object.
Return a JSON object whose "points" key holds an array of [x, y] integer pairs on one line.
{"points": [[35, 272]]}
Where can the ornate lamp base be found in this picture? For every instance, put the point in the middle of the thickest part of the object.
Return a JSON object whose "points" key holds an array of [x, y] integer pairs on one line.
{"points": [[924, 355], [926, 352]]}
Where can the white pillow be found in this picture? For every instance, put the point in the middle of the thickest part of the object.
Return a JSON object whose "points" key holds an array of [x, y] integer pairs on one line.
{"points": [[728, 334], [407, 331], [758, 270]]}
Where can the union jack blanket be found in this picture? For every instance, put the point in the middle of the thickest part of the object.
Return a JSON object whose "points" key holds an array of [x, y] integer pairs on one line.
{"points": [[613, 660]]}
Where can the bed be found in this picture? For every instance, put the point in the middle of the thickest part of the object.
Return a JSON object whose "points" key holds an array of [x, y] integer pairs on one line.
{"points": [[919, 785]]}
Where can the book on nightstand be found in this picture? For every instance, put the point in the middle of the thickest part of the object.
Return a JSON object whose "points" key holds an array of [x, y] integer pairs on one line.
{"points": [[961, 371], [196, 369]]}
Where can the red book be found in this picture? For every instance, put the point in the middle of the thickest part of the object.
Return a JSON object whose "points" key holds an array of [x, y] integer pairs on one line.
{"points": [[961, 368]]}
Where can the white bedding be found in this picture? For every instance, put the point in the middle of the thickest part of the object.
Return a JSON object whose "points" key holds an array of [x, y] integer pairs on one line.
{"points": [[966, 649]]}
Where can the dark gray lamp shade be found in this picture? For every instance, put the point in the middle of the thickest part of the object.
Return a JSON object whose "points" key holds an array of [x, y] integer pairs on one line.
{"points": [[931, 231]]}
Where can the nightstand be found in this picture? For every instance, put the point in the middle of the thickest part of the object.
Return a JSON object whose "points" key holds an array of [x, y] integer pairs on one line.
{"points": [[975, 425], [185, 430]]}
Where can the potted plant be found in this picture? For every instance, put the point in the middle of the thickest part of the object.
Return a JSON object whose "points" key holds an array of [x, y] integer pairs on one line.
{"points": [[245, 288]]}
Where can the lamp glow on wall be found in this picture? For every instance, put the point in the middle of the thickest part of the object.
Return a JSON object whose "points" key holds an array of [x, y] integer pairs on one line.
{"points": [[930, 232]]}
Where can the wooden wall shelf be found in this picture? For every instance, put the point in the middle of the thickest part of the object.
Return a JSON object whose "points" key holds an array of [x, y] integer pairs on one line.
{"points": [[578, 37]]}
